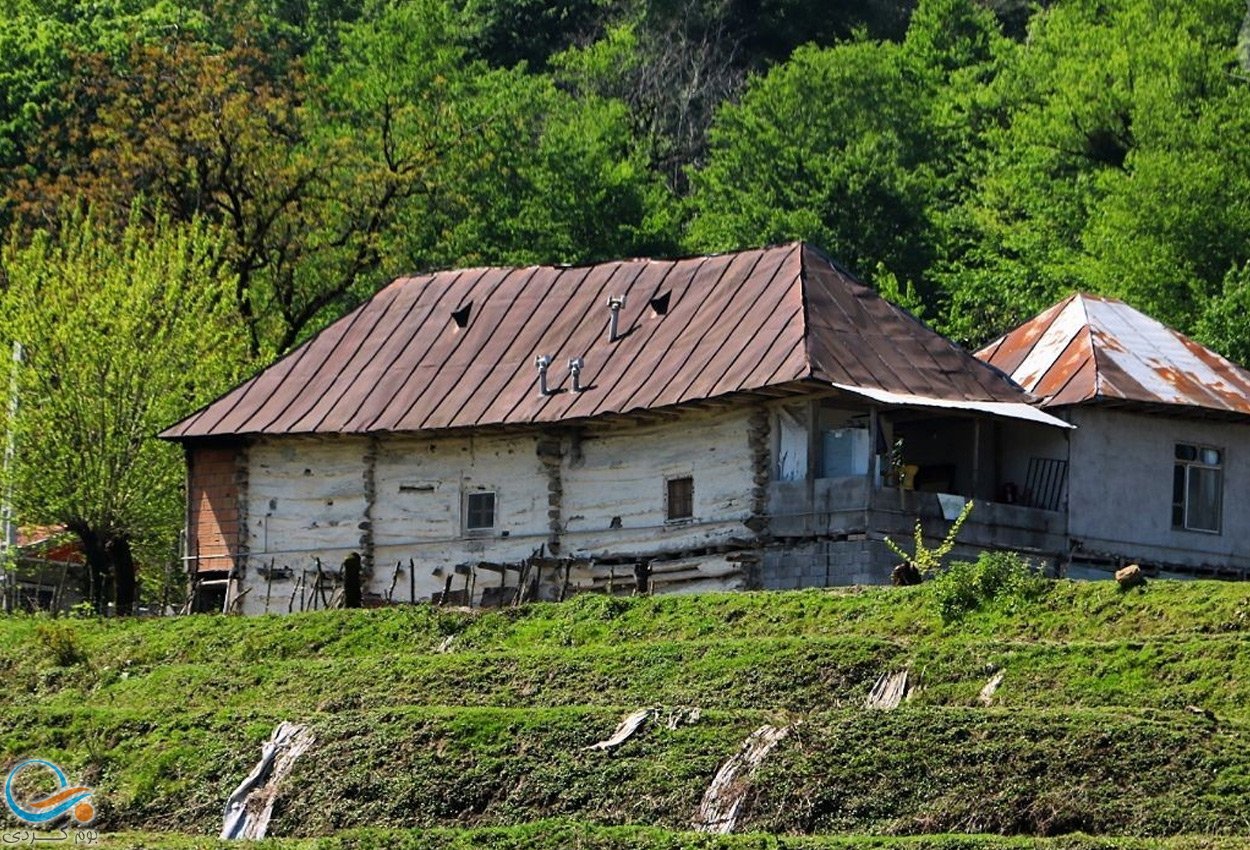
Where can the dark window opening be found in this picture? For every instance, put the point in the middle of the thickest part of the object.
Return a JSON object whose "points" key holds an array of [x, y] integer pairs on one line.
{"points": [[479, 511], [1197, 488], [680, 502]]}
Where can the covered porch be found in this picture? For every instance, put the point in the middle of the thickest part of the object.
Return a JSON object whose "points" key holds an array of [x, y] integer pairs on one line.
{"points": [[864, 464]]}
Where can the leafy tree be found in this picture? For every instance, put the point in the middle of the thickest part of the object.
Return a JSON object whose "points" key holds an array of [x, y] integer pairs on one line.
{"points": [[304, 175], [38, 46], [1225, 322], [672, 79], [505, 33], [546, 177], [122, 335], [1112, 167], [829, 147]]}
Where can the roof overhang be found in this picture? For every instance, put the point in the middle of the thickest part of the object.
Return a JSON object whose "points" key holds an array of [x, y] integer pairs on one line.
{"points": [[1000, 409]]}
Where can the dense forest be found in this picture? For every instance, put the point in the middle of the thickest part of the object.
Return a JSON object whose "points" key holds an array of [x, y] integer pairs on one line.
{"points": [[191, 187]]}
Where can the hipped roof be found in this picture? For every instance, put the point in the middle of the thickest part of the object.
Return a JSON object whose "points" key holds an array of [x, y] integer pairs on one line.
{"points": [[732, 323], [1092, 349]]}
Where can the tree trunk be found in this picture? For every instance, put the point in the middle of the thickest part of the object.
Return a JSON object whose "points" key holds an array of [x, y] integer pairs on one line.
{"points": [[110, 568], [124, 583], [98, 567]]}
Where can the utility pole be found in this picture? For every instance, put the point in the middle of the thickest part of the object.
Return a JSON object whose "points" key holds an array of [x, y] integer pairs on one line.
{"points": [[8, 552]]}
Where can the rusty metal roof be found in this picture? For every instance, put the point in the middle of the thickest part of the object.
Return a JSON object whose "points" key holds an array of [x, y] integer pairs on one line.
{"points": [[731, 323], [1087, 348]]}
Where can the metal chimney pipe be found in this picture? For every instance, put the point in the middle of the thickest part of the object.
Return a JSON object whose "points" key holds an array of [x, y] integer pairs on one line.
{"points": [[575, 369], [615, 303], [542, 361]]}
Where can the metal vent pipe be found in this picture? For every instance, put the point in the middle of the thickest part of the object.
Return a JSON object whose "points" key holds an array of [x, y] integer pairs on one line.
{"points": [[615, 303], [542, 361], [575, 369]]}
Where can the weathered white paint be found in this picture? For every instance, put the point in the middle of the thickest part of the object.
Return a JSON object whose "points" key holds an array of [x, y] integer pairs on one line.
{"points": [[621, 477], [308, 501], [418, 514], [1120, 487], [791, 445]]}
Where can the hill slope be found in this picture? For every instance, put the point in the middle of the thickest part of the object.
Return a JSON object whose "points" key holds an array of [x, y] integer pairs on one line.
{"points": [[1119, 714]]}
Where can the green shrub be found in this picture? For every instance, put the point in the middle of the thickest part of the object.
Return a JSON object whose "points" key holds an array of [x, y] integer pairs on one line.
{"points": [[60, 641], [967, 585], [923, 560]]}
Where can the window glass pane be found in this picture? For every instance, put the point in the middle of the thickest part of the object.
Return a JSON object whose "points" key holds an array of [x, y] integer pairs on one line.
{"points": [[680, 498], [1203, 509], [1178, 486], [1184, 452], [1178, 516], [1211, 456], [480, 511]]}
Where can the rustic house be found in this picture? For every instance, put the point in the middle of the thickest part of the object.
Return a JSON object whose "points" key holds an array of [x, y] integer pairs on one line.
{"points": [[1158, 468], [757, 419]]}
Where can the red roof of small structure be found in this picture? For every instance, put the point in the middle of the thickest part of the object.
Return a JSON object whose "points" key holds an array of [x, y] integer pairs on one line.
{"points": [[49, 543], [1088, 348], [689, 329]]}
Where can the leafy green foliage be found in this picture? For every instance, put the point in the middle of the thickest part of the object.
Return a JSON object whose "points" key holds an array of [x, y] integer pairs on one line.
{"points": [[166, 716], [925, 560], [60, 641], [123, 334], [828, 147], [994, 577], [1108, 168]]}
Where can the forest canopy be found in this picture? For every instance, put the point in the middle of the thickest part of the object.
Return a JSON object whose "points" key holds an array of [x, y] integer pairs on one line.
{"points": [[975, 160]]}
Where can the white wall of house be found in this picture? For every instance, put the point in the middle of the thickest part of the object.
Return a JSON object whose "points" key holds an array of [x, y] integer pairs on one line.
{"points": [[1120, 487], [621, 480], [304, 502], [404, 499], [1019, 444], [420, 498]]}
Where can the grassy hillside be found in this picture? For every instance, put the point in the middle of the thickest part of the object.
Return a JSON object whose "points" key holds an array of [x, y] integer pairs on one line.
{"points": [[1121, 717]]}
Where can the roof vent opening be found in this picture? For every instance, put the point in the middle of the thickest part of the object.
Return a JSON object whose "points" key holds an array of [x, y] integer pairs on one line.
{"points": [[575, 369], [542, 361], [615, 303], [461, 316], [659, 304]]}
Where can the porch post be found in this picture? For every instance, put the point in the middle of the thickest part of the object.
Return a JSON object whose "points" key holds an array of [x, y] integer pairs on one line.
{"points": [[874, 459], [976, 456], [813, 443], [874, 439]]}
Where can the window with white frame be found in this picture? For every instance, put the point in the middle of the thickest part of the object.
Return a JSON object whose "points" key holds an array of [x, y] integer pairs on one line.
{"points": [[479, 511], [1197, 488]]}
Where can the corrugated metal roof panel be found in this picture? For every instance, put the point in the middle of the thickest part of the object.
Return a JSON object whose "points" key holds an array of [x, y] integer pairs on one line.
{"points": [[734, 322], [1089, 348], [1002, 409]]}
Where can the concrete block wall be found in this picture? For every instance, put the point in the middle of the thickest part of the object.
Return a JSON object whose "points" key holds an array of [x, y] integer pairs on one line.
{"points": [[826, 563]]}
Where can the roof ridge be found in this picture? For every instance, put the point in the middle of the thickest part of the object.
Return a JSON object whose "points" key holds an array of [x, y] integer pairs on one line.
{"points": [[809, 368], [1094, 349]]}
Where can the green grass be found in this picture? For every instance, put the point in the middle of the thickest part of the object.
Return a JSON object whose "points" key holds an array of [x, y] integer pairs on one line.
{"points": [[562, 835], [472, 726]]}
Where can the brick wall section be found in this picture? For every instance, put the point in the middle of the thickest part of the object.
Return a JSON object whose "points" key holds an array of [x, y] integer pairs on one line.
{"points": [[213, 507]]}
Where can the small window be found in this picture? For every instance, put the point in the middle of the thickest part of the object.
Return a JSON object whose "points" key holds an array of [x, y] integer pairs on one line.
{"points": [[680, 501], [479, 511], [1197, 488]]}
